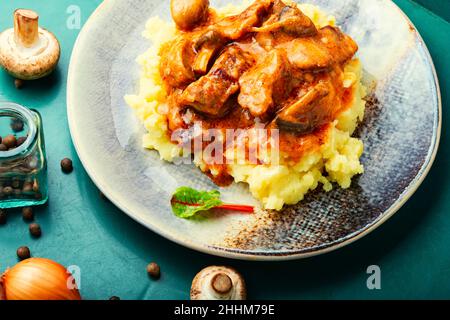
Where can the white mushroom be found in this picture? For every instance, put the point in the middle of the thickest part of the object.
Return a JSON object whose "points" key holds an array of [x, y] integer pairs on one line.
{"points": [[27, 51], [218, 283]]}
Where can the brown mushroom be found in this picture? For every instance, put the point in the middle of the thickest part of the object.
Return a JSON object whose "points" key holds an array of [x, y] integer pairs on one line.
{"points": [[188, 13], [218, 283], [27, 51]]}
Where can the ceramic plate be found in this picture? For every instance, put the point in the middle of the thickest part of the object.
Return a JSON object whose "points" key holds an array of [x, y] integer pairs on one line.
{"points": [[400, 132]]}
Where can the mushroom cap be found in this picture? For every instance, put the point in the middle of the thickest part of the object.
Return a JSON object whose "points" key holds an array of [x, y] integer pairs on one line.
{"points": [[202, 285], [29, 63]]}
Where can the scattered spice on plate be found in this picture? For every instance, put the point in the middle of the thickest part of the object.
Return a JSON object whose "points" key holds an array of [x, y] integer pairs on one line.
{"points": [[23, 253], [154, 270], [3, 217], [66, 165], [27, 214], [35, 230]]}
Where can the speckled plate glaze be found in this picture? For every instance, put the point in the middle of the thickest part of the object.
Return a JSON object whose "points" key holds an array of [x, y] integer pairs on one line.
{"points": [[401, 135]]}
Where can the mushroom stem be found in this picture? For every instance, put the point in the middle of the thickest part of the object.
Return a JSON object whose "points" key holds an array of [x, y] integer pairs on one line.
{"points": [[221, 283], [26, 27]]}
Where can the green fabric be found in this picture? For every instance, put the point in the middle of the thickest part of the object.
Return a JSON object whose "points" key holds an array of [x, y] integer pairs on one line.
{"points": [[112, 250], [440, 7]]}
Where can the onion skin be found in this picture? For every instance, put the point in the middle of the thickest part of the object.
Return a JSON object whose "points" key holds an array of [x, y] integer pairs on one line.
{"points": [[38, 279], [2, 292]]}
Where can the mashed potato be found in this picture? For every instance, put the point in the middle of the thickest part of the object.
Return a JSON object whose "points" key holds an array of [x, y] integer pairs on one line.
{"points": [[336, 161]]}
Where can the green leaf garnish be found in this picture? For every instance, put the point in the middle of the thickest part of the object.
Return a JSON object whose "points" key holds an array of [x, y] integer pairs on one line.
{"points": [[187, 202]]}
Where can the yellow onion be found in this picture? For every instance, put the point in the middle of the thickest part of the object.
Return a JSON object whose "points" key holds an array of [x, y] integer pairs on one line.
{"points": [[38, 279]]}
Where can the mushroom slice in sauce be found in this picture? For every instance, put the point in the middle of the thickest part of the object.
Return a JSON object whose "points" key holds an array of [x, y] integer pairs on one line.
{"points": [[265, 84], [209, 94], [329, 47], [235, 27], [206, 45], [309, 112], [288, 19]]}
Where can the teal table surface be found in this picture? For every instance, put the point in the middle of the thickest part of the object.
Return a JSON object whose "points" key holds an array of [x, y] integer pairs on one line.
{"points": [[112, 251]]}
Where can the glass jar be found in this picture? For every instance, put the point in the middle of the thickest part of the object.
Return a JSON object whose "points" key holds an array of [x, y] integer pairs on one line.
{"points": [[23, 163]]}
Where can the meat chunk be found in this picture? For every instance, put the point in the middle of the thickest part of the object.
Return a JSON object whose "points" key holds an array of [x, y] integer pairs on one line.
{"points": [[328, 47], [265, 84], [312, 110], [176, 62], [288, 19], [209, 94], [216, 36], [341, 46], [235, 27]]}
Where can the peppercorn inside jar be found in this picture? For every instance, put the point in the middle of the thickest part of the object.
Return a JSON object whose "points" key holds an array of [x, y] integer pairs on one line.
{"points": [[23, 163]]}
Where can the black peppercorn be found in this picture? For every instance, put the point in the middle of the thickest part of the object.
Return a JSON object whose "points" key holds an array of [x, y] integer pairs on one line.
{"points": [[114, 298], [15, 183], [9, 141], [3, 217], [27, 186], [153, 270], [18, 83], [27, 214], [35, 185], [66, 165], [17, 125], [7, 191], [0, 139], [23, 253], [35, 230], [21, 140]]}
